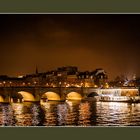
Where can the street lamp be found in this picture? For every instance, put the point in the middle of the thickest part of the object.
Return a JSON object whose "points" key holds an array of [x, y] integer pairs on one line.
{"points": [[29, 83], [35, 83], [47, 84], [4, 83], [10, 83], [23, 84], [60, 84]]}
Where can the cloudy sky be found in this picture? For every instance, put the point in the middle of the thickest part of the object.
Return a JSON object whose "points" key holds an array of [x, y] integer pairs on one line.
{"points": [[89, 41]]}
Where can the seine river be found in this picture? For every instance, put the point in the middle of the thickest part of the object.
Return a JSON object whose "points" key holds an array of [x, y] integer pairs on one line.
{"points": [[70, 113]]}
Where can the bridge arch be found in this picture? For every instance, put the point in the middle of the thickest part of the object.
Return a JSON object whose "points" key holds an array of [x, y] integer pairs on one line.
{"points": [[27, 96], [92, 94], [1, 99], [4, 98], [73, 96], [52, 96]]}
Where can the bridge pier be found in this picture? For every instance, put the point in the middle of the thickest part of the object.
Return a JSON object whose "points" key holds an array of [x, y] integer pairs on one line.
{"points": [[62, 93]]}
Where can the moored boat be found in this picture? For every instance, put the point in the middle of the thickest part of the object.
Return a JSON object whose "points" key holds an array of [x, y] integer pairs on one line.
{"points": [[128, 99]]}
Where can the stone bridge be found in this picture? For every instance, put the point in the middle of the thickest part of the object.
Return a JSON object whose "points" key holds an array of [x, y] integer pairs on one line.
{"points": [[34, 94]]}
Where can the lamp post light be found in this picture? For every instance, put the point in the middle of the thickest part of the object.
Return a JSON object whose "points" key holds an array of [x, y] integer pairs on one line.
{"points": [[23, 84], [60, 87], [47, 84], [82, 86], [4, 83], [10, 83], [35, 83], [65, 84], [60, 84], [29, 83]]}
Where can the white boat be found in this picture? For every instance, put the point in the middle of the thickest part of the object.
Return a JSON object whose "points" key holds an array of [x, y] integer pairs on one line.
{"points": [[133, 99]]}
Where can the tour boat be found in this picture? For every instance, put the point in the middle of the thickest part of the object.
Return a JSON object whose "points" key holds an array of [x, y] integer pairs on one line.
{"points": [[134, 99]]}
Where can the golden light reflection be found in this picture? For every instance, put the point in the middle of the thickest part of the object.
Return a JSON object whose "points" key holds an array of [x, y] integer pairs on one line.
{"points": [[71, 117], [115, 113], [1, 99], [18, 108], [50, 112], [22, 114], [84, 114]]}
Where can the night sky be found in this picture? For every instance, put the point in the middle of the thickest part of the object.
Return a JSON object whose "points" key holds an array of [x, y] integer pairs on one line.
{"points": [[89, 41]]}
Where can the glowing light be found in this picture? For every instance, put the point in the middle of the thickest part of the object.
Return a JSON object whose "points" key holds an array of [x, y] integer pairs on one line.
{"points": [[84, 114], [50, 115], [51, 96], [18, 108], [106, 85], [87, 84], [69, 102], [20, 76], [67, 85], [1, 99], [29, 83], [95, 86], [74, 96], [78, 86], [23, 84], [27, 96]]}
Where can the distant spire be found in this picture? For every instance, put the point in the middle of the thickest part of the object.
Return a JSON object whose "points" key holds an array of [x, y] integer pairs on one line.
{"points": [[36, 71]]}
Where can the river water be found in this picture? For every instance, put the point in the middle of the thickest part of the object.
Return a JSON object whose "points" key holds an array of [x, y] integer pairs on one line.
{"points": [[70, 113]]}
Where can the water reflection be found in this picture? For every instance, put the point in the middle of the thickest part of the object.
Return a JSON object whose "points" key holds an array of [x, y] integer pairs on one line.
{"points": [[118, 114], [6, 115], [84, 114], [27, 114], [22, 113], [70, 113], [37, 115], [50, 113]]}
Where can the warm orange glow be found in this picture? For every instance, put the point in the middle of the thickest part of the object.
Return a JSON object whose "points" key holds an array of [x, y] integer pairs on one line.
{"points": [[51, 96], [27, 96], [74, 96], [95, 86], [122, 93], [1, 99]]}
